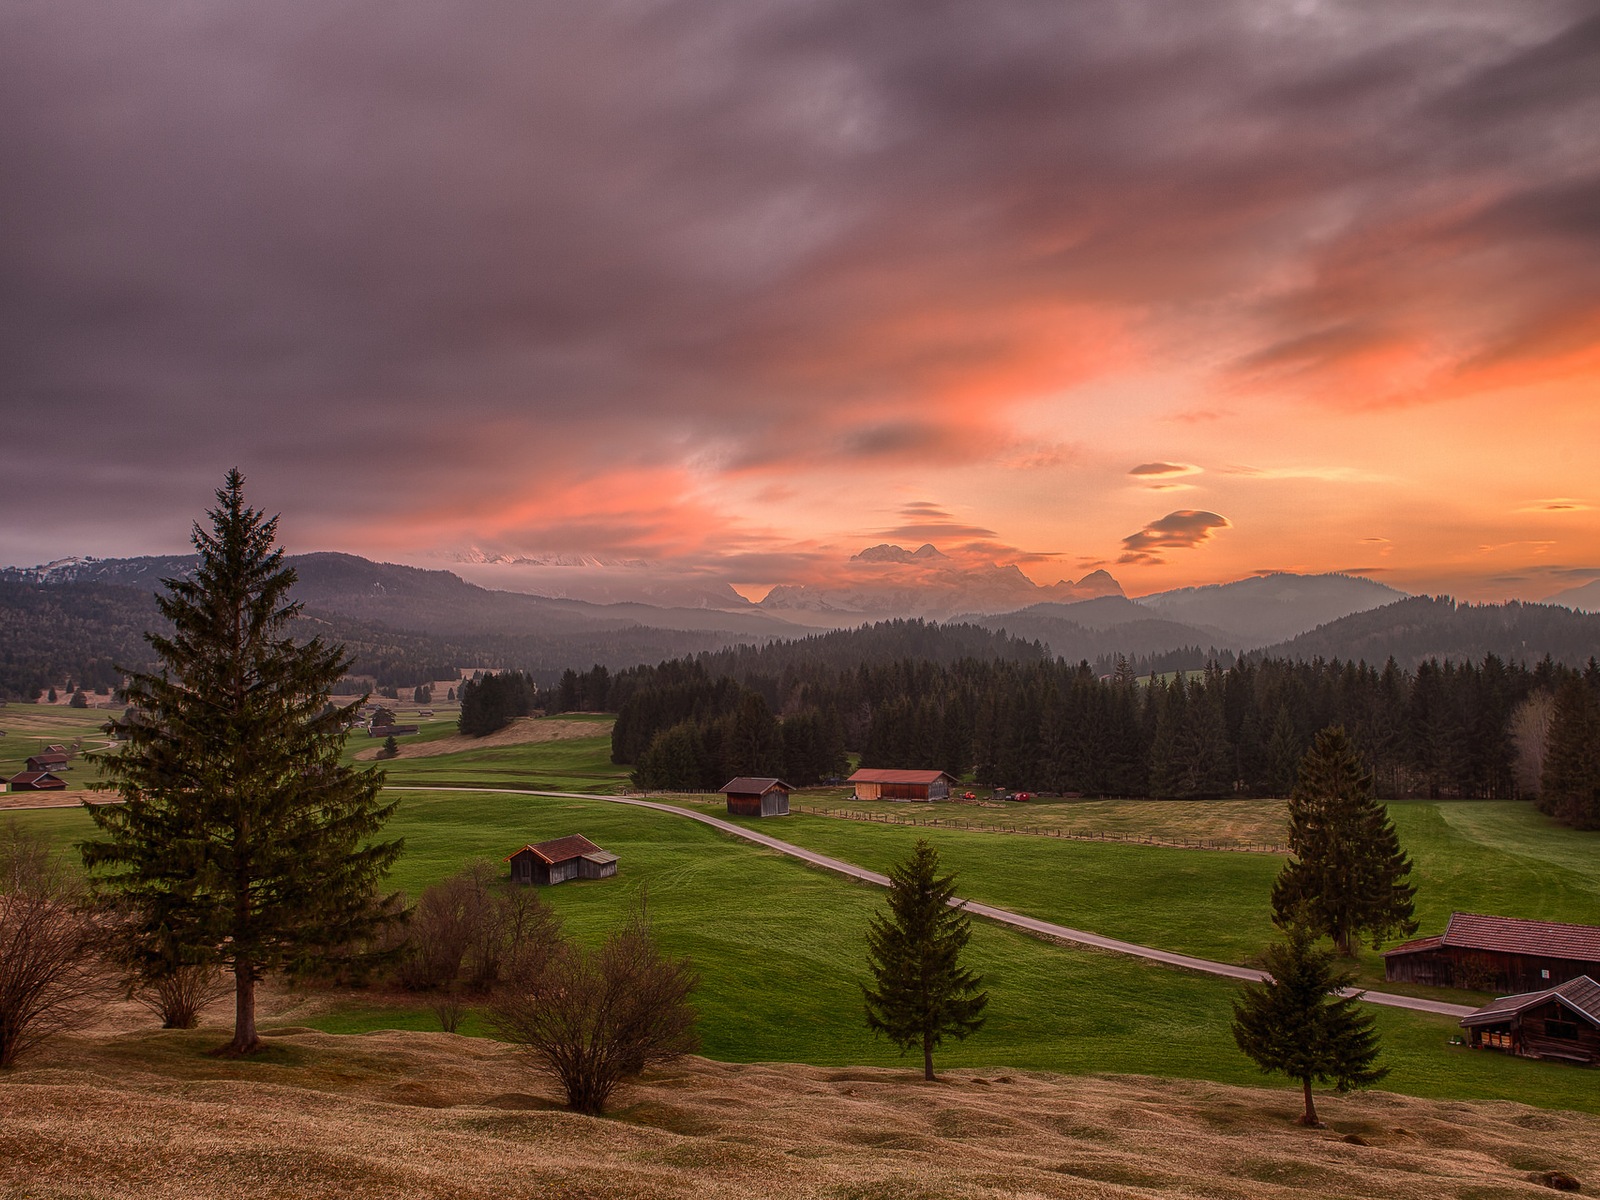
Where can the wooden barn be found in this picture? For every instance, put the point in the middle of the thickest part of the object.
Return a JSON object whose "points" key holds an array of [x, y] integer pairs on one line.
{"points": [[47, 760], [752, 797], [1560, 1022], [872, 783], [36, 781], [1503, 954], [571, 857]]}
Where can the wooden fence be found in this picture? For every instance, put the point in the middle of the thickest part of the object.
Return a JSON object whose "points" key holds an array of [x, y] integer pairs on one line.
{"points": [[961, 823]]}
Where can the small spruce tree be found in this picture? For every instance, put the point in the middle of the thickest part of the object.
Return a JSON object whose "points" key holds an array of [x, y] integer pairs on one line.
{"points": [[242, 839], [1348, 874], [1297, 1022], [920, 993]]}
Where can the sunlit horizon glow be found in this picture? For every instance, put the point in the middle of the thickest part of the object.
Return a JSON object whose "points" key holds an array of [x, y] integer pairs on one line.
{"points": [[1182, 293]]}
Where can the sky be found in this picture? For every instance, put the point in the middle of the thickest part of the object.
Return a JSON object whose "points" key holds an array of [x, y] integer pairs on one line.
{"points": [[739, 287]]}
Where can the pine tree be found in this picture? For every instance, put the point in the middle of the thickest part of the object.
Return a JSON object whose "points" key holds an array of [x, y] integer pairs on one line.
{"points": [[1296, 1022], [920, 992], [1348, 876], [242, 839]]}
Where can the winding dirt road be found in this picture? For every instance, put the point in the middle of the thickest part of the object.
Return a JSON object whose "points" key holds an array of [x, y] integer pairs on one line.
{"points": [[1003, 916]]}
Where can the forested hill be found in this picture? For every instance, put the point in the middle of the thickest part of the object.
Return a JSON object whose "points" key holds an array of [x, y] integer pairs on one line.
{"points": [[1419, 628], [53, 633]]}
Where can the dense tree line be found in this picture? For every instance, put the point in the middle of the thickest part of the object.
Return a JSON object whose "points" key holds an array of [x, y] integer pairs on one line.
{"points": [[1023, 720], [492, 701]]}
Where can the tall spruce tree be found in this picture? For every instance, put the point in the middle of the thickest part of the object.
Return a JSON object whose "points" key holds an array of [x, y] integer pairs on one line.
{"points": [[1296, 1022], [920, 992], [1348, 874], [242, 840]]}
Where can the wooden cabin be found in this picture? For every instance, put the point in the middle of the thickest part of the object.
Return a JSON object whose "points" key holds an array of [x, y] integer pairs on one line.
{"points": [[749, 796], [1562, 1023], [36, 781], [571, 857], [47, 760], [1502, 954], [871, 783]]}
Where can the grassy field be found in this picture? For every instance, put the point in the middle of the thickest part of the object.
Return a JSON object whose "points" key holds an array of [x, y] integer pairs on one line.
{"points": [[29, 728], [572, 765], [779, 948]]}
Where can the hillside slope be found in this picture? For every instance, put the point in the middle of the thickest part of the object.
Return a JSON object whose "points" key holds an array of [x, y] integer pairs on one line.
{"points": [[433, 1115]]}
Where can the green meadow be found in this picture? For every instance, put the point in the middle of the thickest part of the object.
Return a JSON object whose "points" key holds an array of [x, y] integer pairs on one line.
{"points": [[780, 953]]}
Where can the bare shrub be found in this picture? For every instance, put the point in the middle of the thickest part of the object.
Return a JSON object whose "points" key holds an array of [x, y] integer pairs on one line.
{"points": [[178, 998], [52, 971], [466, 931], [594, 1018]]}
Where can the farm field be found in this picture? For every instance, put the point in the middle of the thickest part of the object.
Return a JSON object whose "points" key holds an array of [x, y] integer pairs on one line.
{"points": [[1249, 822], [780, 953], [30, 727], [1475, 856]]}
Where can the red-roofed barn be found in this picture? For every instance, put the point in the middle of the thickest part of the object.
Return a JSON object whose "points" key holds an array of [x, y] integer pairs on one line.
{"points": [[572, 857], [872, 783], [1504, 954], [36, 781]]}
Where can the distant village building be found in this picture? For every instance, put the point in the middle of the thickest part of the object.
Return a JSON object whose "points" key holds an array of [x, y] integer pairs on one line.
{"points": [[36, 781], [874, 784], [1503, 954], [49, 760], [749, 796], [572, 857], [1561, 1023]]}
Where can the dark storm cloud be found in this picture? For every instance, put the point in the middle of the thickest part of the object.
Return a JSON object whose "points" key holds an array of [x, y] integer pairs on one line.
{"points": [[349, 244]]}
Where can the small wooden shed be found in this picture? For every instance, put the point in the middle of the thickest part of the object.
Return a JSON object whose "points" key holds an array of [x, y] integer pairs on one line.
{"points": [[1561, 1023], [47, 760], [571, 857], [872, 783], [1504, 954], [749, 796], [36, 781]]}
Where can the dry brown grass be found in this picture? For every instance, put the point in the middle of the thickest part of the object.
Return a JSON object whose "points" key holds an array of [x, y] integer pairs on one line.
{"points": [[146, 1114], [519, 732]]}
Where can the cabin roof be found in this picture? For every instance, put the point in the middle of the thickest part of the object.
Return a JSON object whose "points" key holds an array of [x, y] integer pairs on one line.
{"points": [[37, 779], [877, 775], [1512, 935], [559, 850], [748, 785], [1581, 995]]}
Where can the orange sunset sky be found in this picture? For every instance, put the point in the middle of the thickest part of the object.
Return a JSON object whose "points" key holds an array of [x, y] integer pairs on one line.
{"points": [[1184, 292]]}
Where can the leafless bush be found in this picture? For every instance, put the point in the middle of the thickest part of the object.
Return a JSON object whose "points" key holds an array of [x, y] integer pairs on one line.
{"points": [[51, 968], [465, 933], [594, 1018], [178, 998], [466, 929]]}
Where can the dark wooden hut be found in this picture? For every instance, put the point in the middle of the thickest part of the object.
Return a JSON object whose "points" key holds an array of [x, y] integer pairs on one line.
{"points": [[47, 760], [1560, 1022], [749, 796], [36, 781], [571, 857], [872, 783], [1502, 954]]}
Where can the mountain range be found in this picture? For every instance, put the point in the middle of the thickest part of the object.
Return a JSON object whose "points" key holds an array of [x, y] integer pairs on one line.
{"points": [[75, 617]]}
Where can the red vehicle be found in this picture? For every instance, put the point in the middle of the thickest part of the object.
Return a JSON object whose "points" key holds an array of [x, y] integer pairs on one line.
{"points": [[969, 795], [1024, 796]]}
